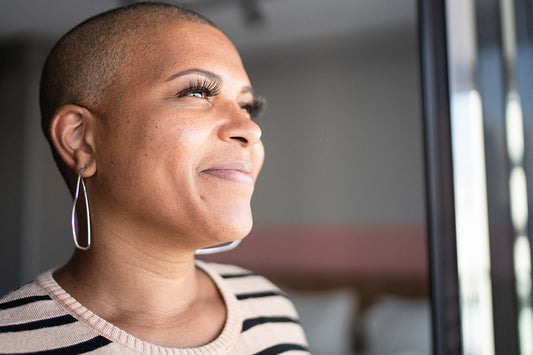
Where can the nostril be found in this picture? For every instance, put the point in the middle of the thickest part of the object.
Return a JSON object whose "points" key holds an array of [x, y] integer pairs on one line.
{"points": [[242, 139]]}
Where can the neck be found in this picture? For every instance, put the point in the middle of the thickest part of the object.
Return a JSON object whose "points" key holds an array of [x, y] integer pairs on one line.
{"points": [[146, 283], [118, 275]]}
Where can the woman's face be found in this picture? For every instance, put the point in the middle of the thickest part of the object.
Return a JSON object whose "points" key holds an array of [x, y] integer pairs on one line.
{"points": [[177, 152]]}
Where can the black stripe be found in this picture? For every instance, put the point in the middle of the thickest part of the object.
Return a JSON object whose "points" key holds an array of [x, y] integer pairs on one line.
{"points": [[38, 324], [245, 296], [233, 276], [23, 301], [281, 348], [80, 348], [252, 322]]}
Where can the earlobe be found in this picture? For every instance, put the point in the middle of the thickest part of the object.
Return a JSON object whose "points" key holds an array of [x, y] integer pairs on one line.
{"points": [[72, 137]]}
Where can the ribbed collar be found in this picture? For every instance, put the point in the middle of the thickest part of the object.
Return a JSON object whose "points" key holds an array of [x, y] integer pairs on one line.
{"points": [[223, 344]]}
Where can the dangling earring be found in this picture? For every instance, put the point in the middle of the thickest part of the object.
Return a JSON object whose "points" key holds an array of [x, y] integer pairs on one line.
{"points": [[221, 249], [73, 217]]}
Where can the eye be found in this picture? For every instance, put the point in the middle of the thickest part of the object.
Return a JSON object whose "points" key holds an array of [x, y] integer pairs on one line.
{"points": [[246, 109], [201, 88], [255, 108], [198, 94]]}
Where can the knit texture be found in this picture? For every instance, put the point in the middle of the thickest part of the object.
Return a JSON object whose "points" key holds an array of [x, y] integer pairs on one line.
{"points": [[42, 317]]}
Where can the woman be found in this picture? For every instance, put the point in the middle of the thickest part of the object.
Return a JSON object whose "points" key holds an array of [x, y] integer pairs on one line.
{"points": [[149, 113]]}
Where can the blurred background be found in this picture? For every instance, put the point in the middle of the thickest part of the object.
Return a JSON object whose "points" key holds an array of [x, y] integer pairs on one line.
{"points": [[339, 207]]}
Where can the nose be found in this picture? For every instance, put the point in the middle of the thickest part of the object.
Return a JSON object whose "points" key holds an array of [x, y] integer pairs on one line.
{"points": [[239, 127]]}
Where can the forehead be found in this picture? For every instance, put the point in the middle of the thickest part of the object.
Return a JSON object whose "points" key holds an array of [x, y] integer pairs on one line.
{"points": [[184, 45]]}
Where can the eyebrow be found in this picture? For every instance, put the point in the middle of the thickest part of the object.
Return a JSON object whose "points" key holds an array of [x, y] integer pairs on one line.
{"points": [[210, 75], [206, 73], [248, 90]]}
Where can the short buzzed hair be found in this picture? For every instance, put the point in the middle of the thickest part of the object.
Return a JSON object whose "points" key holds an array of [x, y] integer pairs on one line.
{"points": [[86, 61]]}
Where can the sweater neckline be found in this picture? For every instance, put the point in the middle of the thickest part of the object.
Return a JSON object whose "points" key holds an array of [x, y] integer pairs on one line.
{"points": [[223, 344]]}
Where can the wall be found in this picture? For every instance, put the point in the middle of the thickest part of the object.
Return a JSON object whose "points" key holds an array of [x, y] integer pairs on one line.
{"points": [[35, 204], [342, 135], [342, 132]]}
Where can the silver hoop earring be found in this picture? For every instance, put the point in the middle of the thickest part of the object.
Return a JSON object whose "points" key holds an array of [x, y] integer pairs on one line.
{"points": [[73, 217], [207, 251]]}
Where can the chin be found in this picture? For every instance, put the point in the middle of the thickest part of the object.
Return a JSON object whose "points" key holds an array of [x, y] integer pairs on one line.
{"points": [[233, 228], [240, 230], [244, 230]]}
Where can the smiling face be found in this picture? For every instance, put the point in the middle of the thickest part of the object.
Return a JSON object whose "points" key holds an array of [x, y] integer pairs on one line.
{"points": [[177, 152]]}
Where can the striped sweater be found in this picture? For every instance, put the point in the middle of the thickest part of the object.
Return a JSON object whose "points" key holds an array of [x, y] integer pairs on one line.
{"points": [[42, 318]]}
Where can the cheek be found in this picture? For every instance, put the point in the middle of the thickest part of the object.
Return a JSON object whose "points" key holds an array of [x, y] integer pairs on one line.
{"points": [[127, 145], [148, 139], [152, 141]]}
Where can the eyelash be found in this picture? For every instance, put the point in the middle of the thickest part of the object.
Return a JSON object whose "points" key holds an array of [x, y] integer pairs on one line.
{"points": [[212, 88], [208, 87], [256, 108]]}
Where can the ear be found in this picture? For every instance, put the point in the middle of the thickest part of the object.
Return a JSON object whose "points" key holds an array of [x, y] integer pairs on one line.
{"points": [[72, 134]]}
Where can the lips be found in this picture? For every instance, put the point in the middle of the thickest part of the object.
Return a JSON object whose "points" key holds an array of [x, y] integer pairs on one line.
{"points": [[237, 171]]}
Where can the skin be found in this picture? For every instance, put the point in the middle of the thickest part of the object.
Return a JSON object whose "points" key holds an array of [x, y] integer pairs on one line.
{"points": [[166, 175]]}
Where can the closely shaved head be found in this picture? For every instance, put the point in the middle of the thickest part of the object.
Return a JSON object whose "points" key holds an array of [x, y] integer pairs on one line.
{"points": [[86, 62]]}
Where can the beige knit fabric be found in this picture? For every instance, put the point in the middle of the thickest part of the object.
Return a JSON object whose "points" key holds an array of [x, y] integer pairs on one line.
{"points": [[41, 316]]}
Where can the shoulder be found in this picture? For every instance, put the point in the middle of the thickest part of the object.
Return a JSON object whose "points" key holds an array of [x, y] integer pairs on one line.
{"points": [[28, 290], [242, 282], [257, 296], [226, 271], [20, 303], [29, 302], [270, 321], [26, 311], [31, 320]]}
